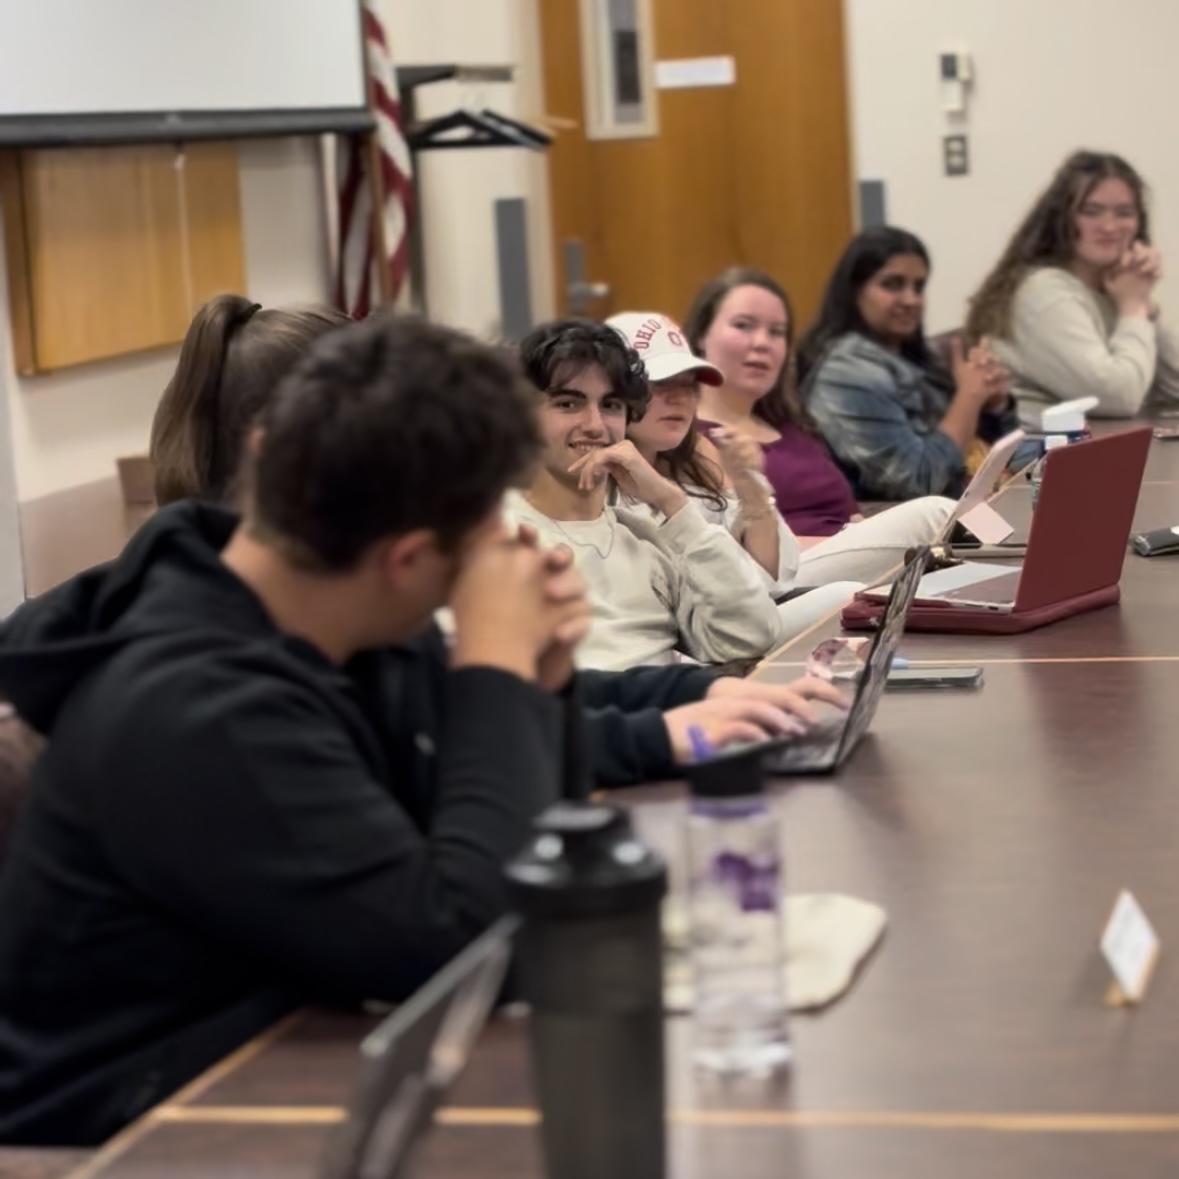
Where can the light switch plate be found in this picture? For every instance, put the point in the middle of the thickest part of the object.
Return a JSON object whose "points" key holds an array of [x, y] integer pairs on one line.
{"points": [[956, 155]]}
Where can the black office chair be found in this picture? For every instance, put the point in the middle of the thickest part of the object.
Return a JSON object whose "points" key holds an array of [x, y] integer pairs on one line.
{"points": [[19, 749]]}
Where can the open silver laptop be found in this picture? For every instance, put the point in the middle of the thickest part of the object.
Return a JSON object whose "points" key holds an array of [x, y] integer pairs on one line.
{"points": [[1077, 542], [973, 510], [990, 587], [826, 746], [410, 1062]]}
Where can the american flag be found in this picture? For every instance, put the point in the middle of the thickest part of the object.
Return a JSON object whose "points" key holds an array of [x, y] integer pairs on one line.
{"points": [[361, 244]]}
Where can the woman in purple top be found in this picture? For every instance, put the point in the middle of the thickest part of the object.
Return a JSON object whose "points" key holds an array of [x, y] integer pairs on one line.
{"points": [[741, 323]]}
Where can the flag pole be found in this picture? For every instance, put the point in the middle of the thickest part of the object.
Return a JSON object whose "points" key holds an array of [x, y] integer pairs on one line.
{"points": [[375, 178], [376, 185]]}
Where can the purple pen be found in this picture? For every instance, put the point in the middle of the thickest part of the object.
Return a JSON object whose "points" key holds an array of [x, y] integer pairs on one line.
{"points": [[702, 748]]}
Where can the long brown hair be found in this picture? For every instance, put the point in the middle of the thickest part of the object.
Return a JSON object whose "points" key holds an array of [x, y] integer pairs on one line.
{"points": [[781, 406], [867, 254], [1047, 236], [233, 357], [696, 473]]}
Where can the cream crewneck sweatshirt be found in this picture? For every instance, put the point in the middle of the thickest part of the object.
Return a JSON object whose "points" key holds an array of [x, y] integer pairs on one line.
{"points": [[662, 585], [1068, 340]]}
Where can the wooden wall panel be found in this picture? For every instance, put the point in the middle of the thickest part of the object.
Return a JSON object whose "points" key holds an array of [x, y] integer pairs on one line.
{"points": [[213, 200], [105, 251], [16, 253], [110, 250]]}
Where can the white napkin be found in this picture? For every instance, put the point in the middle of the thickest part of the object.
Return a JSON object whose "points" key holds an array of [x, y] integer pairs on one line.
{"points": [[827, 937]]}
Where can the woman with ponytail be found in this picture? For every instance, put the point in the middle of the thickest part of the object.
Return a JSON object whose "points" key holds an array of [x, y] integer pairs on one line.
{"points": [[233, 357]]}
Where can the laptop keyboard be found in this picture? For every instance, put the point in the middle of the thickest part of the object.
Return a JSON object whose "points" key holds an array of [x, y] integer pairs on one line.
{"points": [[816, 747], [1000, 590]]}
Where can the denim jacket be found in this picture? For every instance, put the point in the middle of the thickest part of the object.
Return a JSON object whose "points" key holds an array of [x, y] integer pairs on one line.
{"points": [[879, 414]]}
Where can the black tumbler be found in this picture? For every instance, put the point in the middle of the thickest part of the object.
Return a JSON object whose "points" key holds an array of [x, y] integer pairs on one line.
{"points": [[590, 962]]}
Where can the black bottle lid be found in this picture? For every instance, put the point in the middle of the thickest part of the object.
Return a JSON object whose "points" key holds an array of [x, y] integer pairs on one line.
{"points": [[585, 861], [736, 772]]}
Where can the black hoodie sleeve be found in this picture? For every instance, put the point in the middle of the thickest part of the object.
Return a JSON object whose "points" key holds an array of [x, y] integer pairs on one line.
{"points": [[624, 717], [247, 813], [645, 687]]}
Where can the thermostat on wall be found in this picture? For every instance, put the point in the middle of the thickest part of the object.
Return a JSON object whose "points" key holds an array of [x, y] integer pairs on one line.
{"points": [[957, 73]]}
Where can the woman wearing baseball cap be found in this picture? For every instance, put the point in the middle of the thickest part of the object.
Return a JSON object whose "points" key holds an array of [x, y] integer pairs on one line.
{"points": [[733, 479], [723, 479], [667, 438]]}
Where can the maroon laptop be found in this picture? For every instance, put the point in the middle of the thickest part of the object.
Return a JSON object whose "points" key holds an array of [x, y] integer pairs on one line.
{"points": [[1075, 550]]}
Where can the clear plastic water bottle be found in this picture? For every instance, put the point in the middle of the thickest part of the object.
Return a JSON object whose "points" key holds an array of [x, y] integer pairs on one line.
{"points": [[1052, 442], [735, 910]]}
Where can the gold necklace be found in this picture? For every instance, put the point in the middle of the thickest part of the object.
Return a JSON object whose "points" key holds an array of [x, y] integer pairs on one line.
{"points": [[581, 544]]}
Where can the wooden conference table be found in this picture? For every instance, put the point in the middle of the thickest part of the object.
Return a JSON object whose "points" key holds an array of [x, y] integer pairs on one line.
{"points": [[995, 827]]}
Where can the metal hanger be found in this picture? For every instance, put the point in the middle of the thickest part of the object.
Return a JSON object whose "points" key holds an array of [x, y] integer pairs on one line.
{"points": [[482, 128], [528, 136]]}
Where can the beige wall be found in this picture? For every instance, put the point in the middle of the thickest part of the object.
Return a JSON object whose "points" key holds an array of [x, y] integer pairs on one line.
{"points": [[459, 188], [68, 428], [1052, 76]]}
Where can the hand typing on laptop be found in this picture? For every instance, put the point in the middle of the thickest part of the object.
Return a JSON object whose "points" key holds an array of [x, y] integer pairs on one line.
{"points": [[749, 710]]}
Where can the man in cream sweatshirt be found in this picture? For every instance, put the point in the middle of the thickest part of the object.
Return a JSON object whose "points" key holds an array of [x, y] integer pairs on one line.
{"points": [[661, 582]]}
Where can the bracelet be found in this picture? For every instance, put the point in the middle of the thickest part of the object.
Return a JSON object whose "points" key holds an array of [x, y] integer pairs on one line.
{"points": [[766, 510], [765, 503], [756, 517]]}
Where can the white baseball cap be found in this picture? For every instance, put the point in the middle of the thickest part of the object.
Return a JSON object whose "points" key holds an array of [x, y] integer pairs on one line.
{"points": [[661, 344]]}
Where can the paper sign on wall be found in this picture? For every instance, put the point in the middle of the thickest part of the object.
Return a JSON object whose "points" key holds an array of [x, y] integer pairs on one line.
{"points": [[689, 72], [1130, 947]]}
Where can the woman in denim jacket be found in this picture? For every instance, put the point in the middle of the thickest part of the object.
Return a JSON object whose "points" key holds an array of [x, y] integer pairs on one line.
{"points": [[898, 422]]}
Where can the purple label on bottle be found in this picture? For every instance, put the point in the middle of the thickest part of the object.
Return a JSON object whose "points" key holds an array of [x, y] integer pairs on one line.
{"points": [[755, 884]]}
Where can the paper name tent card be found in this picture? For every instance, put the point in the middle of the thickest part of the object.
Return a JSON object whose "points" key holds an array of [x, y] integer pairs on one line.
{"points": [[1130, 948]]}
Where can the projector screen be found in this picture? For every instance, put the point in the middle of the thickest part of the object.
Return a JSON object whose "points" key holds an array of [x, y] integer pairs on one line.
{"points": [[117, 71]]}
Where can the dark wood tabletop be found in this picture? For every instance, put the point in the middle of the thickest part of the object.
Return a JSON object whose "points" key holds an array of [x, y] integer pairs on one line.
{"points": [[996, 828]]}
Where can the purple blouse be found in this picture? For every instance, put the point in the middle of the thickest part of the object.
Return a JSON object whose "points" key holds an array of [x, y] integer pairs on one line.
{"points": [[810, 490]]}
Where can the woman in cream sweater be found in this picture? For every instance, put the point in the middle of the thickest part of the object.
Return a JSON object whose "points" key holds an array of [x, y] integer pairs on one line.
{"points": [[1070, 308]]}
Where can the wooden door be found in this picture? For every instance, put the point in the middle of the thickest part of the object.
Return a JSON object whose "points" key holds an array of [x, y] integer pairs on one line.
{"points": [[757, 173]]}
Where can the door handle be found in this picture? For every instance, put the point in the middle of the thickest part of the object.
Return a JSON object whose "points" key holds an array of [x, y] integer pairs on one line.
{"points": [[579, 291]]}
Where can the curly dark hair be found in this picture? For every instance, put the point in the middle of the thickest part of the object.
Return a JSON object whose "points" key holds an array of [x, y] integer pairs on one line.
{"points": [[556, 351], [1047, 236], [389, 426], [695, 472]]}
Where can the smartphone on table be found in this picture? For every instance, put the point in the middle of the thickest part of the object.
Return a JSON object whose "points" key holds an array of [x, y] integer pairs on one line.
{"points": [[935, 677]]}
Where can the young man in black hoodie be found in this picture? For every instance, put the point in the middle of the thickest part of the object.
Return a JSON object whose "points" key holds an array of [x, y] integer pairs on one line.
{"points": [[268, 782]]}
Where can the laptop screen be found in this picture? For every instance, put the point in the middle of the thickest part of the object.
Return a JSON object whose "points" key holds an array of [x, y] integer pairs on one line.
{"points": [[410, 1062], [1081, 524], [982, 487], [884, 648]]}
